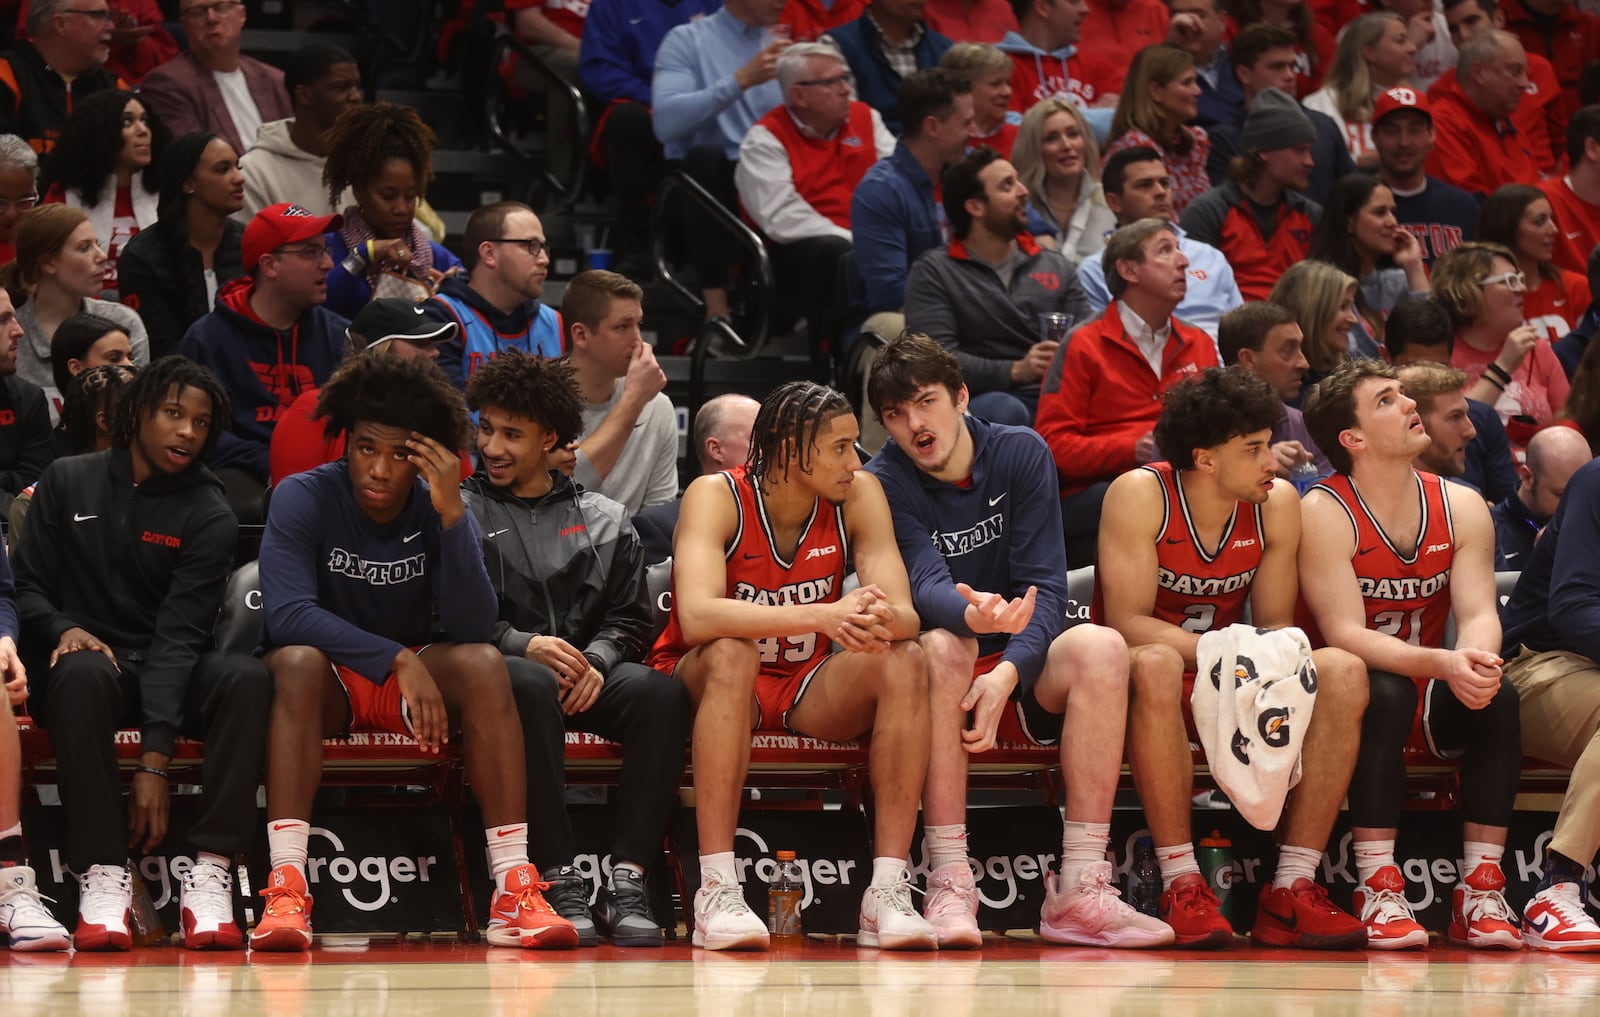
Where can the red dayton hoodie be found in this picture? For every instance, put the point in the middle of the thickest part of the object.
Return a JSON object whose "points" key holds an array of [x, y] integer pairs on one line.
{"points": [[262, 369]]}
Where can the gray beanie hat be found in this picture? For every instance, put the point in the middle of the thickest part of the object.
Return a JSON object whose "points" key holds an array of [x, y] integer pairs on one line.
{"points": [[1276, 121]]}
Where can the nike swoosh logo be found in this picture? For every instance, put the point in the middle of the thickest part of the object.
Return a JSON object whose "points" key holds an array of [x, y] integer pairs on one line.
{"points": [[414, 536], [282, 826], [750, 557], [497, 533], [635, 21], [1174, 540], [996, 499], [1366, 550], [417, 310], [506, 833], [1288, 921], [1574, 236], [82, 519], [1543, 924], [1512, 554]]}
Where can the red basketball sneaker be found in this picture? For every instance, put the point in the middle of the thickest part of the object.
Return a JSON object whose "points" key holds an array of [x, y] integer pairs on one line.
{"points": [[286, 922], [1303, 916]]}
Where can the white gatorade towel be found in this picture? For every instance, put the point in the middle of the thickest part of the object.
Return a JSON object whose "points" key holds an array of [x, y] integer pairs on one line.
{"points": [[1253, 696]]}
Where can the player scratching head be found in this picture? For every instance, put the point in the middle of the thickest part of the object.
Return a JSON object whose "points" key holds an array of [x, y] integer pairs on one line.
{"points": [[399, 418], [1360, 412], [805, 434], [917, 391], [526, 407], [1218, 426], [169, 416]]}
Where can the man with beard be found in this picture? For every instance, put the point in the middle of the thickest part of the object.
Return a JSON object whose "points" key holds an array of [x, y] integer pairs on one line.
{"points": [[982, 297]]}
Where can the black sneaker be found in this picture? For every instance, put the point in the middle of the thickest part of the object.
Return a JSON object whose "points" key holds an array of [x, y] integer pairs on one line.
{"points": [[569, 896], [624, 910]]}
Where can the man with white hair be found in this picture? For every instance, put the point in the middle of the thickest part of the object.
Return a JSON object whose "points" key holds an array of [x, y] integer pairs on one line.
{"points": [[721, 440], [799, 167], [19, 189], [1476, 146]]}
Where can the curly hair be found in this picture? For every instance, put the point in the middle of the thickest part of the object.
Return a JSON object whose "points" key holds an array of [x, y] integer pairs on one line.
{"points": [[1220, 404], [86, 396], [410, 394], [149, 389], [85, 155], [364, 138], [533, 388], [786, 427]]}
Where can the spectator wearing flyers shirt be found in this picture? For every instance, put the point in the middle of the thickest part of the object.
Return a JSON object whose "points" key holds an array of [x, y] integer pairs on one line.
{"points": [[1438, 214], [1050, 65]]}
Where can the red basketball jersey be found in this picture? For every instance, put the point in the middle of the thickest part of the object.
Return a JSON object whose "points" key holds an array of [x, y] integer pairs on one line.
{"points": [[1406, 591], [1200, 589], [758, 573]]}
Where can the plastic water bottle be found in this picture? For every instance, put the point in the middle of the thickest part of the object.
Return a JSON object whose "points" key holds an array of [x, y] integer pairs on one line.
{"points": [[1144, 878], [1304, 476], [148, 929], [1215, 858], [784, 891]]}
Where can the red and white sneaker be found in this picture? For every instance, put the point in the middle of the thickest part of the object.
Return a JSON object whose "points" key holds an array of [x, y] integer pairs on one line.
{"points": [[1556, 920], [206, 909], [105, 909], [24, 920], [1302, 916], [1479, 915], [1195, 914], [1381, 905], [522, 917], [285, 923], [951, 906]]}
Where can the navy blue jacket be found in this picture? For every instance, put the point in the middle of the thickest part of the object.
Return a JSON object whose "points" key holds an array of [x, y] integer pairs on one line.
{"points": [[894, 220], [1225, 103], [1569, 348], [878, 84], [1556, 605], [360, 592], [1489, 466], [263, 370], [1001, 534]]}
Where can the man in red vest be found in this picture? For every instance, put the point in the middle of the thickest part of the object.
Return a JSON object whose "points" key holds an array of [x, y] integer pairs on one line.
{"points": [[798, 168]]}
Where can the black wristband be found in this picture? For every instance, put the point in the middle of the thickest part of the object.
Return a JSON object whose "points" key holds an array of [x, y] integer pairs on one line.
{"points": [[141, 768]]}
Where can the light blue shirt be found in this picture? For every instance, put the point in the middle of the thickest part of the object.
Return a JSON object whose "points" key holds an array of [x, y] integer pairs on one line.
{"points": [[1212, 290], [695, 101]]}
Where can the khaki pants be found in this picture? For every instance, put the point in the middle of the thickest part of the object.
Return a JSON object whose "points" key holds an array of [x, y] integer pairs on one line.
{"points": [[1559, 693]]}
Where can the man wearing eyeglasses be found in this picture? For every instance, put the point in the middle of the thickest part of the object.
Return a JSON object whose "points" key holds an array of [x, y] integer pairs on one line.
{"points": [[269, 340], [496, 304], [213, 87], [60, 64], [799, 167]]}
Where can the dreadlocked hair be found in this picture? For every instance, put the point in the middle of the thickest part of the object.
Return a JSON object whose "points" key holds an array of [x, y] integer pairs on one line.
{"points": [[153, 385], [364, 138], [534, 388], [786, 427], [86, 396], [410, 394]]}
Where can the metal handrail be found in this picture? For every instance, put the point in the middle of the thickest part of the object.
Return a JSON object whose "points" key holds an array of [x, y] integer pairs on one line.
{"points": [[568, 191], [757, 322]]}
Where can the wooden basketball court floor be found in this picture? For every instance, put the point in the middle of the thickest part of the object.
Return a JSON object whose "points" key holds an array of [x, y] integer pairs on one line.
{"points": [[1013, 975]]}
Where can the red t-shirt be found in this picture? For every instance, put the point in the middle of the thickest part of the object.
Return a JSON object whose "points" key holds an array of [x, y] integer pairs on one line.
{"points": [[1578, 221], [567, 15], [1119, 29], [1555, 305]]}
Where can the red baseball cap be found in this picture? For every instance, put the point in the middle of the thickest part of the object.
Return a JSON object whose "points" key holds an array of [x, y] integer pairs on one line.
{"points": [[280, 224], [1398, 98]]}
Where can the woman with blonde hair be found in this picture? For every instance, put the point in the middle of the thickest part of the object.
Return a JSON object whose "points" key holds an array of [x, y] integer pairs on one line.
{"points": [[1508, 364], [1159, 98], [1322, 299], [989, 72], [1375, 53], [59, 271], [1059, 163]]}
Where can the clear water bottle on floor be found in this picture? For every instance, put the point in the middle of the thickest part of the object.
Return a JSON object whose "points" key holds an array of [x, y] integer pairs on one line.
{"points": [[1144, 878], [784, 892]]}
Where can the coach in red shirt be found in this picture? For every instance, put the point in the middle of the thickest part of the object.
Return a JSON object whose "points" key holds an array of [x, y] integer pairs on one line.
{"points": [[1476, 144], [1102, 395]]}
